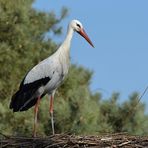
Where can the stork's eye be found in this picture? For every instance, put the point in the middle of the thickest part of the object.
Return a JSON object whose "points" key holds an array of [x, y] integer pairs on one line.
{"points": [[78, 25]]}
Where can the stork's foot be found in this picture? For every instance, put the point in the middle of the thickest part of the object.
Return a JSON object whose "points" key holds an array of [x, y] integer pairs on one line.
{"points": [[52, 122], [36, 116], [35, 126], [34, 135]]}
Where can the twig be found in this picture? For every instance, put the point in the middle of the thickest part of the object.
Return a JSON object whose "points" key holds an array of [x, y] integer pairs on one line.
{"points": [[142, 94], [139, 146], [124, 143], [139, 99], [106, 139], [55, 144]]}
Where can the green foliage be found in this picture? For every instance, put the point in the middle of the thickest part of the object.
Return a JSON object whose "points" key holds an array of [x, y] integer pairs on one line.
{"points": [[22, 40], [76, 108], [22, 45], [126, 117]]}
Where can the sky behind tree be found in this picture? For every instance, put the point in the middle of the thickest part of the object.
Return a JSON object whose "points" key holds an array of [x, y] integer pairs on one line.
{"points": [[119, 31]]}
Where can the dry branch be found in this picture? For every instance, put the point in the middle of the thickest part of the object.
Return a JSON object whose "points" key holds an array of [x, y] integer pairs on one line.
{"points": [[73, 141]]}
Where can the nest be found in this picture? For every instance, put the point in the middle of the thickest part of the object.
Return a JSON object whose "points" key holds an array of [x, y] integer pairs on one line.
{"points": [[74, 141]]}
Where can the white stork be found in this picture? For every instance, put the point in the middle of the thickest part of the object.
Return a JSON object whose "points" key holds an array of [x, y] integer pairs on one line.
{"points": [[46, 77]]}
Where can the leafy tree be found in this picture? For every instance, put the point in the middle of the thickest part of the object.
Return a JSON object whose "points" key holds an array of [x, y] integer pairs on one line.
{"points": [[22, 45], [77, 110], [128, 116]]}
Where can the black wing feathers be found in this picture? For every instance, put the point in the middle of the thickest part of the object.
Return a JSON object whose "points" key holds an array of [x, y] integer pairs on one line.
{"points": [[25, 94]]}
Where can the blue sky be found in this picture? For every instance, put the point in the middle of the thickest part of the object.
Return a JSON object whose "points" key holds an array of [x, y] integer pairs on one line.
{"points": [[119, 31]]}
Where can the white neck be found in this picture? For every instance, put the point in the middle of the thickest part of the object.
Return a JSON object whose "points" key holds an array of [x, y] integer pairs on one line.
{"points": [[67, 42], [64, 50], [69, 34]]}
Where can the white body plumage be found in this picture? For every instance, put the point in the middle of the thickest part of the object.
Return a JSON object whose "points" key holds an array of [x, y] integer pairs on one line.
{"points": [[55, 67]]}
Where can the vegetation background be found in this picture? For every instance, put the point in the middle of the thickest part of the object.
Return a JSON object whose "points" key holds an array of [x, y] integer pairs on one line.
{"points": [[23, 43]]}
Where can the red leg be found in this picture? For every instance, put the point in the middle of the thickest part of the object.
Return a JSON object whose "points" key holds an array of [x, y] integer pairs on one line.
{"points": [[51, 113], [51, 104], [36, 115]]}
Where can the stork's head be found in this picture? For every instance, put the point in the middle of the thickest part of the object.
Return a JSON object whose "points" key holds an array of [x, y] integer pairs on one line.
{"points": [[78, 27]]}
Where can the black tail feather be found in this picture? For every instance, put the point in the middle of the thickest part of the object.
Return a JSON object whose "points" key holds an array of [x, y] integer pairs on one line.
{"points": [[25, 97], [19, 99]]}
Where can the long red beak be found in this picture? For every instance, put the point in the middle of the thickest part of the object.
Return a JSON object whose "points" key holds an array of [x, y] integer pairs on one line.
{"points": [[83, 34]]}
